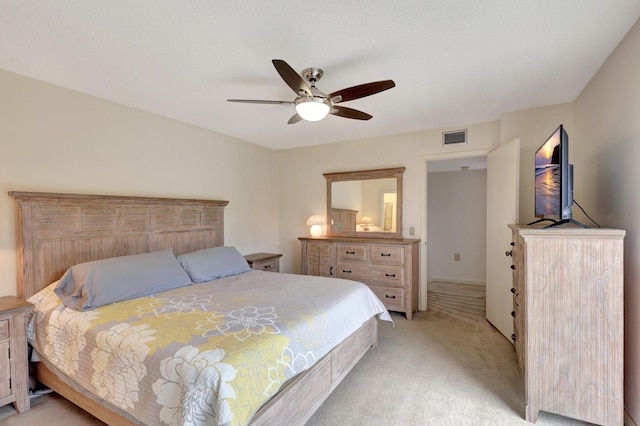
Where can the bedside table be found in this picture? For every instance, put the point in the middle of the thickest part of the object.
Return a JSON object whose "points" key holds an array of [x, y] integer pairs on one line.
{"points": [[264, 261], [14, 365]]}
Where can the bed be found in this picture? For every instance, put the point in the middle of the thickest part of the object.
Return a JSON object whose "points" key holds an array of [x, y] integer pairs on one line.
{"points": [[58, 231]]}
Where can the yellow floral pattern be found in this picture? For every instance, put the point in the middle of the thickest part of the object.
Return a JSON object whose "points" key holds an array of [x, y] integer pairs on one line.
{"points": [[209, 353]]}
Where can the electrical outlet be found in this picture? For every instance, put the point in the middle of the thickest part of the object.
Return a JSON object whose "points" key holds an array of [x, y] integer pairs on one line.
{"points": [[456, 257]]}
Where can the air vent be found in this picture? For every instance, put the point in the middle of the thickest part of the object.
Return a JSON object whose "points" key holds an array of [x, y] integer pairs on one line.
{"points": [[454, 138]]}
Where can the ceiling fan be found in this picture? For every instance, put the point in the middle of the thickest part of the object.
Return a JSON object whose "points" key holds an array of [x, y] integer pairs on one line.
{"points": [[313, 105]]}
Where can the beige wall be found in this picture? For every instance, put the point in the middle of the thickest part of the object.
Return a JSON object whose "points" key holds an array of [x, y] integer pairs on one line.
{"points": [[607, 119], [303, 187], [533, 127], [57, 140]]}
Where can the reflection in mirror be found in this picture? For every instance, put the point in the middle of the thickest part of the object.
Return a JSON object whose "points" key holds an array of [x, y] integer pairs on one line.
{"points": [[365, 203]]}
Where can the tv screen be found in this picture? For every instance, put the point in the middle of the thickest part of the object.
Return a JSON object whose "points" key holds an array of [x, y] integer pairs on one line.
{"points": [[554, 178]]}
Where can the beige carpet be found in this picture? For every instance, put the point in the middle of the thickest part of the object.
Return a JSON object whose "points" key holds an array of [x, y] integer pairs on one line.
{"points": [[435, 370]]}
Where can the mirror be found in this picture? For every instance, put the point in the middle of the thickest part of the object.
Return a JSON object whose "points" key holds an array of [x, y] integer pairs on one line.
{"points": [[365, 203]]}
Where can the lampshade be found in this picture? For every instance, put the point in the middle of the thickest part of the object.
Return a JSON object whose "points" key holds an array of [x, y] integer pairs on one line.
{"points": [[316, 222], [313, 108], [366, 221]]}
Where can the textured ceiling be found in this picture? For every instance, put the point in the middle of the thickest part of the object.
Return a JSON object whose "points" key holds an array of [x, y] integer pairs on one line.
{"points": [[453, 62]]}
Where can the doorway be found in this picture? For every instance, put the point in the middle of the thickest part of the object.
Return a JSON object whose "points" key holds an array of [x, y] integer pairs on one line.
{"points": [[456, 192], [437, 162]]}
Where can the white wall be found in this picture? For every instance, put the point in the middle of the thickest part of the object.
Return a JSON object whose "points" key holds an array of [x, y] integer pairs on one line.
{"points": [[607, 119], [456, 223], [56, 140]]}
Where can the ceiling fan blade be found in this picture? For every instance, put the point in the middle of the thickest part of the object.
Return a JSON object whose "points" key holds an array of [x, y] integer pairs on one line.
{"points": [[345, 112], [257, 101], [291, 77], [294, 119], [361, 90]]}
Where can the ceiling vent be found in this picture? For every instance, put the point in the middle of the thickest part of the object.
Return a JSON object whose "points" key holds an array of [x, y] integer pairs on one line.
{"points": [[455, 137]]}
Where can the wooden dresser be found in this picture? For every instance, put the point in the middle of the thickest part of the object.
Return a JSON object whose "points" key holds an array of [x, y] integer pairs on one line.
{"points": [[388, 266], [568, 321]]}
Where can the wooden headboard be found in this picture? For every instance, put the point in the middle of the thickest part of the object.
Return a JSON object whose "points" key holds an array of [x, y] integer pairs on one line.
{"points": [[57, 231]]}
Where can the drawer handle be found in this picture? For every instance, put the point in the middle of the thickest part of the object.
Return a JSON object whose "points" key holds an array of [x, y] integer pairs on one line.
{"points": [[346, 271], [385, 254], [390, 275], [389, 297], [350, 252], [513, 290], [508, 253], [267, 266], [331, 271], [513, 267], [513, 314], [513, 337]]}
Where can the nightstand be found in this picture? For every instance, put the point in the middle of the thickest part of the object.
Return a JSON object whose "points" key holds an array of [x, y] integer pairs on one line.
{"points": [[264, 261], [14, 365]]}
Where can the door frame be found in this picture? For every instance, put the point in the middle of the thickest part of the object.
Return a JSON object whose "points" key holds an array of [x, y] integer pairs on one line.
{"points": [[424, 160]]}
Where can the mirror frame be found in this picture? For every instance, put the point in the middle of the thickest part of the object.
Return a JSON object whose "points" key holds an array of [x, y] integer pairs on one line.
{"points": [[395, 172]]}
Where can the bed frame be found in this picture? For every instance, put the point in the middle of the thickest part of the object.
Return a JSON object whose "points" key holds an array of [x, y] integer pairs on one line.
{"points": [[57, 231]]}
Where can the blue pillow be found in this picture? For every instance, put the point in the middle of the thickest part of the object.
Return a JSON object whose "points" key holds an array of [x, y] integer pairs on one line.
{"points": [[213, 263], [89, 285]]}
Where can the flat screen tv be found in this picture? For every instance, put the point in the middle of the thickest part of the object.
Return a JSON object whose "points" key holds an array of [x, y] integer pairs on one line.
{"points": [[554, 180]]}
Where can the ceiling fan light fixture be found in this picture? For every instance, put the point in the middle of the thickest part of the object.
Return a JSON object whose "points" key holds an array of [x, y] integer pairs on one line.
{"points": [[312, 108]]}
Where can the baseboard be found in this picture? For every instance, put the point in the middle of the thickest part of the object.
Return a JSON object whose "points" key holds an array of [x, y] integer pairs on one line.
{"points": [[458, 281], [628, 421]]}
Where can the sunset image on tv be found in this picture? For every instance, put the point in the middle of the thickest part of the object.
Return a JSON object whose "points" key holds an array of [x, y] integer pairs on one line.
{"points": [[548, 177]]}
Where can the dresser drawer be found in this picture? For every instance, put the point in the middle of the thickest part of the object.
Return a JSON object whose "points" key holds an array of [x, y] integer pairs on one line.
{"points": [[389, 255], [351, 252], [392, 297], [4, 329], [367, 272]]}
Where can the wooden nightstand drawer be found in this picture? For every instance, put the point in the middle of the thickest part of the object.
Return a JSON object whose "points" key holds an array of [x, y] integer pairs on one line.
{"points": [[269, 262], [4, 329], [270, 265]]}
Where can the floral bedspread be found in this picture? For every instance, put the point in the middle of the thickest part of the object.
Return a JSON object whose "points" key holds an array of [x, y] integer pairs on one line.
{"points": [[208, 353]]}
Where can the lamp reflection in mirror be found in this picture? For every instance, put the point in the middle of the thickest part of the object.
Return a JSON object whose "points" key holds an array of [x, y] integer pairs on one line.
{"points": [[365, 222], [316, 222]]}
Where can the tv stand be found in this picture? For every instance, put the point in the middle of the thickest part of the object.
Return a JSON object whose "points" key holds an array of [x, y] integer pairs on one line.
{"points": [[558, 222], [544, 219], [563, 221]]}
